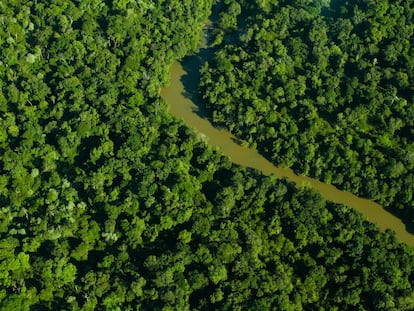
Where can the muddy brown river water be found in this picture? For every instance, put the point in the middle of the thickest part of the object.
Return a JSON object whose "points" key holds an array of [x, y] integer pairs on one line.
{"points": [[183, 106]]}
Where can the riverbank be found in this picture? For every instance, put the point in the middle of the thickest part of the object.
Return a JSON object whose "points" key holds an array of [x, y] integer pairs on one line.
{"points": [[185, 105]]}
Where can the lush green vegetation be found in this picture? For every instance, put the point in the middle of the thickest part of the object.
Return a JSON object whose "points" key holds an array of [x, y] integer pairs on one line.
{"points": [[108, 203], [324, 87]]}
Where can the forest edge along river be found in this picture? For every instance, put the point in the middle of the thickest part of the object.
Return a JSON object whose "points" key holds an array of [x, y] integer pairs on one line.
{"points": [[184, 104]]}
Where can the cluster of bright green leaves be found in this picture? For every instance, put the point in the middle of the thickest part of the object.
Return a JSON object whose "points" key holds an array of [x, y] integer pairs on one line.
{"points": [[108, 203], [81, 137], [324, 87]]}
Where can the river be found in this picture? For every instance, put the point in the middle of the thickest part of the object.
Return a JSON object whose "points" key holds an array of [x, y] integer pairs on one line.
{"points": [[185, 105]]}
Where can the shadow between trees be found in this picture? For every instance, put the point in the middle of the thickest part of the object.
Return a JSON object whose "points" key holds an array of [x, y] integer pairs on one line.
{"points": [[192, 64], [191, 78]]}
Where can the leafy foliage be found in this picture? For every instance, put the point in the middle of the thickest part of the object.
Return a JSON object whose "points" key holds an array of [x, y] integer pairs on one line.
{"points": [[108, 203], [324, 87]]}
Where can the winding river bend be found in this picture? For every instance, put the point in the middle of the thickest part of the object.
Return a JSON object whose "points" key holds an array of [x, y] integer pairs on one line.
{"points": [[185, 105]]}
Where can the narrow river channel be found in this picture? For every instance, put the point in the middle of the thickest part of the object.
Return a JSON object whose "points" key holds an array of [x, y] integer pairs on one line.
{"points": [[183, 105]]}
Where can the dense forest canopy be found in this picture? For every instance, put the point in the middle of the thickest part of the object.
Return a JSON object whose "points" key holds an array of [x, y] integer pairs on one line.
{"points": [[324, 87], [109, 203]]}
